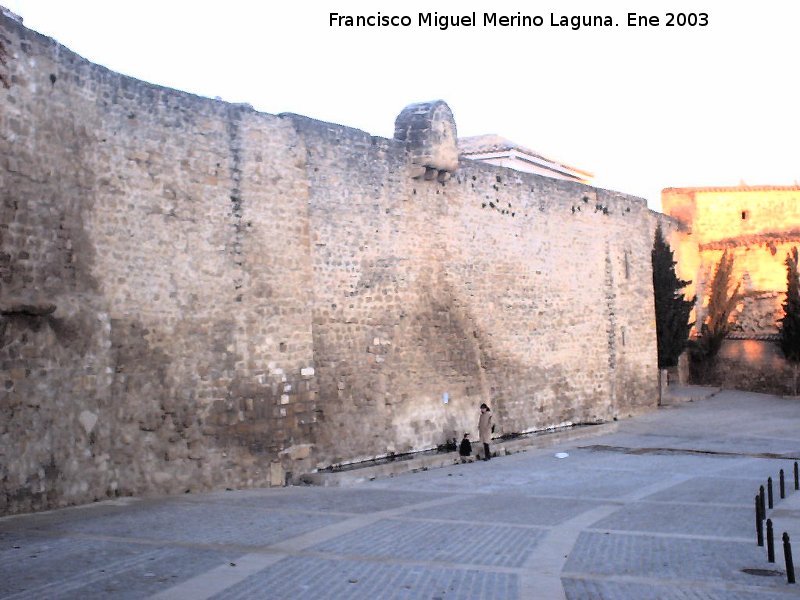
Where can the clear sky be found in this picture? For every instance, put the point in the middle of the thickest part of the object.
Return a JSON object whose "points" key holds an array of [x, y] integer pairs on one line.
{"points": [[642, 107]]}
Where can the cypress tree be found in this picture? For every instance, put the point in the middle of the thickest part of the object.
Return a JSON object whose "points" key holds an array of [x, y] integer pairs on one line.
{"points": [[789, 328], [672, 310], [721, 305]]}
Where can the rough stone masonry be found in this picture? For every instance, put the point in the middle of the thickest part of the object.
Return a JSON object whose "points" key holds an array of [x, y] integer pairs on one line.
{"points": [[196, 295]]}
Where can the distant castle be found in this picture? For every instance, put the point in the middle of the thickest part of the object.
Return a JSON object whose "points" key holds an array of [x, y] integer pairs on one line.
{"points": [[758, 226]]}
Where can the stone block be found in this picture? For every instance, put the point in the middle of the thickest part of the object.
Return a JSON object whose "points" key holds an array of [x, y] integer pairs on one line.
{"points": [[277, 474]]}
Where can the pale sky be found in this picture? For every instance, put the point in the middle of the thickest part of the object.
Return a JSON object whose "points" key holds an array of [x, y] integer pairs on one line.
{"points": [[642, 107]]}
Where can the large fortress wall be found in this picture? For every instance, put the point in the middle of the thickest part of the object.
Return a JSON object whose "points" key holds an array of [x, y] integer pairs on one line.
{"points": [[195, 295], [530, 294], [170, 233]]}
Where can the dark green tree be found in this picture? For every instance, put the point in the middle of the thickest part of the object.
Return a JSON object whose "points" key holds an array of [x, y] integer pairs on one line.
{"points": [[672, 309], [789, 325], [721, 304]]}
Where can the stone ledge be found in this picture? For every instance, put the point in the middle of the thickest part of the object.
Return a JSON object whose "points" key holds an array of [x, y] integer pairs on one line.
{"points": [[542, 439]]}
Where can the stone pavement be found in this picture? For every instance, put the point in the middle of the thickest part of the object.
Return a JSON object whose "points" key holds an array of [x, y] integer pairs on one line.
{"points": [[660, 509]]}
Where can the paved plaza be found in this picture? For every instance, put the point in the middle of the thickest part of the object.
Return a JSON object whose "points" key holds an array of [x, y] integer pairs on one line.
{"points": [[660, 507]]}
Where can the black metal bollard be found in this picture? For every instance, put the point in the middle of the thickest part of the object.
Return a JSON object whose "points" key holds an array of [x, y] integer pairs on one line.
{"points": [[758, 508], [796, 477], [783, 486], [770, 542], [769, 492], [762, 502], [787, 556]]}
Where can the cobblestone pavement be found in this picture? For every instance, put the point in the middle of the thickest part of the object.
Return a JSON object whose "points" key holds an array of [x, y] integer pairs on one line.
{"points": [[662, 509]]}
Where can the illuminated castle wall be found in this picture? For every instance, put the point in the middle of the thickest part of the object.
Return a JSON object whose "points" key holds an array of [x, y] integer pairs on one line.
{"points": [[758, 225]]}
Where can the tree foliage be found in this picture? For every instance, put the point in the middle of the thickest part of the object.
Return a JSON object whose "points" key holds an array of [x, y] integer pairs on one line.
{"points": [[721, 304], [790, 323], [672, 310]]}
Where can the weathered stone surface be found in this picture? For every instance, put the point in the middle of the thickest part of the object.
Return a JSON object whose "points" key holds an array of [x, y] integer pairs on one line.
{"points": [[221, 278], [428, 130], [171, 233], [88, 419]]}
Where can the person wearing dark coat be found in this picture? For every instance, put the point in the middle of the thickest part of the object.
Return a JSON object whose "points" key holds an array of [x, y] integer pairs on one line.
{"points": [[465, 448]]}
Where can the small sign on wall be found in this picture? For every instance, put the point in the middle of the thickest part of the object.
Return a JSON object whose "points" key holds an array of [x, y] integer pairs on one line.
{"points": [[445, 397]]}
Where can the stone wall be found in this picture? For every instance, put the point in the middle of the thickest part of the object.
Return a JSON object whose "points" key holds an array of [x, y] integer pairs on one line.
{"points": [[752, 365], [758, 226], [530, 294], [195, 295], [170, 232]]}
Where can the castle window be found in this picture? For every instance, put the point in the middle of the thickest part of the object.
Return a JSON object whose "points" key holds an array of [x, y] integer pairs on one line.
{"points": [[745, 214]]}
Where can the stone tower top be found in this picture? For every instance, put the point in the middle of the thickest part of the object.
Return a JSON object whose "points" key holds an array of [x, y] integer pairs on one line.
{"points": [[429, 132]]}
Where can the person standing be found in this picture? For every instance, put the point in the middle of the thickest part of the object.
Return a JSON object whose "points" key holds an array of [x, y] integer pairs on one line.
{"points": [[485, 428]]}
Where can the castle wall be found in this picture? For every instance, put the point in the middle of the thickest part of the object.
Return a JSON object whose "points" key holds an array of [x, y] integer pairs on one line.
{"points": [[753, 365], [194, 295], [170, 233], [530, 294], [727, 213], [758, 226]]}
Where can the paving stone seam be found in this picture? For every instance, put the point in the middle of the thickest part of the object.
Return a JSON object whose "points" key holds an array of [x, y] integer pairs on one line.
{"points": [[698, 503], [408, 562], [468, 522], [683, 503], [582, 498], [663, 534], [692, 583], [659, 486], [542, 568], [222, 546]]}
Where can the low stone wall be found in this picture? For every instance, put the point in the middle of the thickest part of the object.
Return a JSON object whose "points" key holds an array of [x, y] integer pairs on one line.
{"points": [[751, 365]]}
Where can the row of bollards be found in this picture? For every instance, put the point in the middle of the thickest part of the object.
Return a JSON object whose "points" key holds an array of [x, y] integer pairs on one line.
{"points": [[762, 503]]}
